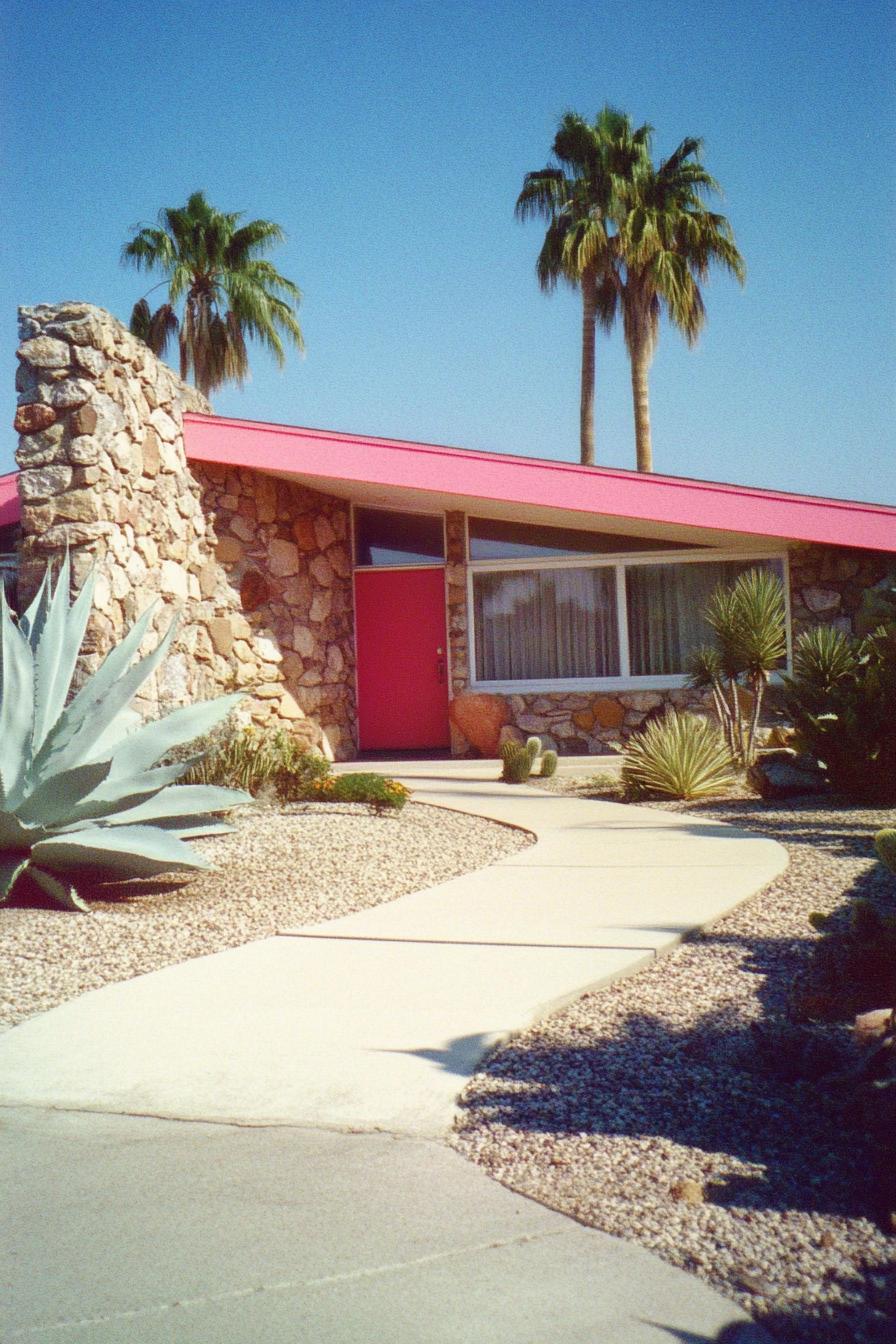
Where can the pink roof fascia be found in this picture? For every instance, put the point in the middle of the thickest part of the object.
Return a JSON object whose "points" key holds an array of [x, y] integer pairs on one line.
{"points": [[346, 458], [10, 506]]}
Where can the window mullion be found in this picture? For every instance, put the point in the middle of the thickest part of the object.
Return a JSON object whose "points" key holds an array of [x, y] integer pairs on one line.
{"points": [[622, 622]]}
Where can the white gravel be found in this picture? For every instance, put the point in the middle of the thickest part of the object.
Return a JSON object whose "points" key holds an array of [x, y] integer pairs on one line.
{"points": [[307, 863], [604, 1109]]}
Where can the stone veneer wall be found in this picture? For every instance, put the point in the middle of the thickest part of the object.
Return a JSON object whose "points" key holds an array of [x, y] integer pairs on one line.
{"points": [[826, 587], [104, 472], [827, 583], [285, 548]]}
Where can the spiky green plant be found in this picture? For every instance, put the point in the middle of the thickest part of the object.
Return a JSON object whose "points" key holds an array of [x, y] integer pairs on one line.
{"points": [[679, 756], [516, 763], [533, 748], [748, 621], [885, 844], [78, 787], [548, 764]]}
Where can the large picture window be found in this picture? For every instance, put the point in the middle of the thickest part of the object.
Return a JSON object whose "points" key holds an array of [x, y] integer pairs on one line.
{"points": [[665, 605], [536, 625], [621, 620]]}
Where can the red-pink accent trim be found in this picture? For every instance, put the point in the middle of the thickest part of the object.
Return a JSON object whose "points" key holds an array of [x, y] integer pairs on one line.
{"points": [[10, 504], [612, 492]]}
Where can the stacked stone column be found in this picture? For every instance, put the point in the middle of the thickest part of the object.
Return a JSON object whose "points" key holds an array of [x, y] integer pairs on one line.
{"points": [[104, 474]]}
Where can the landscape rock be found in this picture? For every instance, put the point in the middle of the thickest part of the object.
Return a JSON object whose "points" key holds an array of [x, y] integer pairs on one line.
{"points": [[480, 716], [785, 774]]}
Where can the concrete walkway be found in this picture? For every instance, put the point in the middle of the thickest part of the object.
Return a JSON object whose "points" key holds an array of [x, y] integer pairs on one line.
{"points": [[369, 1023]]}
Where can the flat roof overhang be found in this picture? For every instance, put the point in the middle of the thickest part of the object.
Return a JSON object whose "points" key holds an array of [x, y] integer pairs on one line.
{"points": [[429, 477]]}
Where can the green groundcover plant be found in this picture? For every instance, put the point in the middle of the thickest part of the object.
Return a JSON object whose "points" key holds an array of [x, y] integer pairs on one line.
{"points": [[80, 788]]}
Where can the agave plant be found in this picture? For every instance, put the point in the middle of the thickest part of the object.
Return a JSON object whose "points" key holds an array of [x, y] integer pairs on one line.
{"points": [[80, 788], [679, 756]]}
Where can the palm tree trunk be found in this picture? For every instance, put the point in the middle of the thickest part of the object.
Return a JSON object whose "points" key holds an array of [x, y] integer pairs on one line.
{"points": [[586, 414], [640, 360]]}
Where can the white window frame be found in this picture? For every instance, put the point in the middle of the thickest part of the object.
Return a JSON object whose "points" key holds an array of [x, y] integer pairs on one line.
{"points": [[625, 681]]}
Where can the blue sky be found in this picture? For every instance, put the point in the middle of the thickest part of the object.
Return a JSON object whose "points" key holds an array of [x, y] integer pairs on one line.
{"points": [[390, 140]]}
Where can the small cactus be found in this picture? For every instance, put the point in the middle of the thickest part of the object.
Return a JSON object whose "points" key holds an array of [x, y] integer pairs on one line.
{"points": [[548, 764], [517, 763], [533, 748], [885, 844]]}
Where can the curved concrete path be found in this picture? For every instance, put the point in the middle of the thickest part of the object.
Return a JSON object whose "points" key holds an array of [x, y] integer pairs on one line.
{"points": [[369, 1023]]}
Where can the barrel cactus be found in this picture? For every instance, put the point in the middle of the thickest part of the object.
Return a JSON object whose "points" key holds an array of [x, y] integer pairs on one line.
{"points": [[885, 844], [80, 787]]}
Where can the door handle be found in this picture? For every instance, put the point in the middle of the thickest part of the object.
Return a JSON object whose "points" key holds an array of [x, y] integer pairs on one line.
{"points": [[440, 667]]}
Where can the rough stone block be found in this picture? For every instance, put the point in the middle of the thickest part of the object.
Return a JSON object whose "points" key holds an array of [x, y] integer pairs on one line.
{"points": [[229, 551], [71, 393], [283, 558], [32, 417], [45, 352], [173, 579]]}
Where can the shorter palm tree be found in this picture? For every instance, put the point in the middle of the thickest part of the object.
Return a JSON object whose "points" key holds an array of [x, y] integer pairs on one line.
{"points": [[230, 291], [666, 242]]}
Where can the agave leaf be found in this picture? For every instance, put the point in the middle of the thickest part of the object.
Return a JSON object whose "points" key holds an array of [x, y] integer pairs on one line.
{"points": [[183, 800], [102, 713], [145, 746], [186, 828], [91, 693], [115, 796], [129, 851], [56, 652], [12, 866], [31, 622], [13, 835], [16, 701], [58, 796], [125, 723], [62, 892]]}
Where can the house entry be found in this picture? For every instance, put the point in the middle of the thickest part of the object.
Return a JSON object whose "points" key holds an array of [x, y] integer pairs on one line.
{"points": [[401, 632]]}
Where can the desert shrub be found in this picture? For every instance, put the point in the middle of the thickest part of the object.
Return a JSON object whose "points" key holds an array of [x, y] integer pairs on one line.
{"points": [[374, 790], [678, 756], [259, 762], [841, 697]]}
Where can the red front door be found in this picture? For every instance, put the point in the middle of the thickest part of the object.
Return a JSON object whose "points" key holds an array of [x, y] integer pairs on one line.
{"points": [[402, 653]]}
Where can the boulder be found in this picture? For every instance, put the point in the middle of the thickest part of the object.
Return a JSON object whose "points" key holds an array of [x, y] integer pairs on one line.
{"points": [[785, 774], [480, 717], [606, 711]]}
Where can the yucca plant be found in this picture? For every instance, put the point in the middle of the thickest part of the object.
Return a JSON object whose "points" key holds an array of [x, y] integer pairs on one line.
{"points": [[78, 787], [679, 756], [748, 621]]}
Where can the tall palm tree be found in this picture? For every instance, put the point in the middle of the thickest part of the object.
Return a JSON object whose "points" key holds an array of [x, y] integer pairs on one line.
{"points": [[579, 197], [666, 242], [230, 292]]}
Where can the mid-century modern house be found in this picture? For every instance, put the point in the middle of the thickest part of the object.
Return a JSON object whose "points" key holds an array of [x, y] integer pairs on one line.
{"points": [[380, 595]]}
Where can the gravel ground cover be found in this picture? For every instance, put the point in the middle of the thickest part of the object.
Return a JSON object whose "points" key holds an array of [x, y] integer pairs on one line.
{"points": [[299, 865], [655, 1111]]}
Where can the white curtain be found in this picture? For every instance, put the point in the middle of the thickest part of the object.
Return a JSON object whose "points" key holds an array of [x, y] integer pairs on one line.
{"points": [[550, 624], [665, 610]]}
